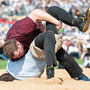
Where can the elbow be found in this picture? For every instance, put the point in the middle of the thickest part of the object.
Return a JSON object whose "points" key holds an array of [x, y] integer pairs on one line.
{"points": [[36, 14], [36, 11]]}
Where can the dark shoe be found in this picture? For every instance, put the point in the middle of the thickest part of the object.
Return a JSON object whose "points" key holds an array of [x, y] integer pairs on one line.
{"points": [[84, 21], [50, 72], [6, 77], [83, 77]]}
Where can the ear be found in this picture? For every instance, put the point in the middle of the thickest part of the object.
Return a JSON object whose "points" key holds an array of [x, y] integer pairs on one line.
{"points": [[18, 44]]}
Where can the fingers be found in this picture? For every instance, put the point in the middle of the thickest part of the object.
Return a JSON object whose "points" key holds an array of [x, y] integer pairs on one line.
{"points": [[59, 26]]}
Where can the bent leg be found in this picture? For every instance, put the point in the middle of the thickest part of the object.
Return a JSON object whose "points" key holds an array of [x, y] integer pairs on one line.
{"points": [[46, 41], [68, 63], [81, 23], [62, 56], [61, 14]]}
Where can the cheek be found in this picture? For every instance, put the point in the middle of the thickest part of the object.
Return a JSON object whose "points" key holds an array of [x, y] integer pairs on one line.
{"points": [[22, 50]]}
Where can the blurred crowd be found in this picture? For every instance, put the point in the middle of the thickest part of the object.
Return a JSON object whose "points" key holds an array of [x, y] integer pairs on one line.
{"points": [[75, 42], [23, 7]]}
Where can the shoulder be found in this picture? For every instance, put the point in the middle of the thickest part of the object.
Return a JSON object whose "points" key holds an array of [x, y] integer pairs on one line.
{"points": [[34, 15]]}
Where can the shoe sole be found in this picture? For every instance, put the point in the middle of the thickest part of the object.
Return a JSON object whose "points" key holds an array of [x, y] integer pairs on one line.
{"points": [[87, 23]]}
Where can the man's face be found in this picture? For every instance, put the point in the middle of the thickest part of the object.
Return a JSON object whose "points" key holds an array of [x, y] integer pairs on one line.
{"points": [[19, 52]]}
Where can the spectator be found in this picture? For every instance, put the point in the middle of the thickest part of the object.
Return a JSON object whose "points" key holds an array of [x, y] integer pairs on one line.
{"points": [[23, 7], [86, 57]]}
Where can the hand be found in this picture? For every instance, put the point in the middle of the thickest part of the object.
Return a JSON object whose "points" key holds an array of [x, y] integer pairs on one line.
{"points": [[59, 25], [42, 26]]}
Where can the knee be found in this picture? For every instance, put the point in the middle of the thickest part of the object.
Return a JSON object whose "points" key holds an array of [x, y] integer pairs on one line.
{"points": [[49, 33], [51, 9]]}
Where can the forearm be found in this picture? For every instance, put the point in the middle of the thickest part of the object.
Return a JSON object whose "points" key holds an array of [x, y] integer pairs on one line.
{"points": [[43, 16]]}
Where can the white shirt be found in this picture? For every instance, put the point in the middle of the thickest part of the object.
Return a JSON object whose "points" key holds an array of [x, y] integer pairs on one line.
{"points": [[27, 67]]}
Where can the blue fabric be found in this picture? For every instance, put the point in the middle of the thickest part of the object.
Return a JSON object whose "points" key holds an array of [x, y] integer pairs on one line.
{"points": [[84, 77], [27, 67]]}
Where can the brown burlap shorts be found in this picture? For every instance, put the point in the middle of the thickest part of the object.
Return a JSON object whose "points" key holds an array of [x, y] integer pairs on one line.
{"points": [[39, 53]]}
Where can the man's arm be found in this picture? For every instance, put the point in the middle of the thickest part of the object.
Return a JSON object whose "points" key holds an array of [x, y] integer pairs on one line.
{"points": [[44, 16]]}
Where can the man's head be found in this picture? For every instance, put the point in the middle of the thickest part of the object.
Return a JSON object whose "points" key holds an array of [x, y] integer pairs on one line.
{"points": [[13, 49]]}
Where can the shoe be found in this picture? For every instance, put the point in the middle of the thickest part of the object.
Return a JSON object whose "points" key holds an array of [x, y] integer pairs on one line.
{"points": [[6, 77], [84, 21], [83, 77], [50, 72]]}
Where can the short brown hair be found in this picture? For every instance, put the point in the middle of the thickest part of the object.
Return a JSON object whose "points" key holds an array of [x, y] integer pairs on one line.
{"points": [[9, 48]]}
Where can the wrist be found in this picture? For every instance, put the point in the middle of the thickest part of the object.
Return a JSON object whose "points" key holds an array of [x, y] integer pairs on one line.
{"points": [[57, 23]]}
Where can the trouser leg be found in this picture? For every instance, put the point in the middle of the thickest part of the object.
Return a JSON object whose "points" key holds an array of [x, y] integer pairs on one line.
{"points": [[68, 63], [64, 58], [46, 41], [59, 14], [62, 15]]}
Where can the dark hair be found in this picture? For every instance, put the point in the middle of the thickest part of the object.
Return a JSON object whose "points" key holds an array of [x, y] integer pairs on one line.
{"points": [[9, 48]]}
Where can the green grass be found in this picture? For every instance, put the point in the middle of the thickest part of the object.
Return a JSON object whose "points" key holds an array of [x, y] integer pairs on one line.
{"points": [[79, 61], [3, 64]]}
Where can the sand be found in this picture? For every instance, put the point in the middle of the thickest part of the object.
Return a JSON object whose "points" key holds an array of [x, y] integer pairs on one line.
{"points": [[62, 81]]}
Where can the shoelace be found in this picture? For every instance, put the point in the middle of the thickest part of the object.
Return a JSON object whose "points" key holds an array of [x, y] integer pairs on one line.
{"points": [[84, 17]]}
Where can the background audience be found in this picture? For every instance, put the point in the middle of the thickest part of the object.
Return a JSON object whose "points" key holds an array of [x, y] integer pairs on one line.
{"points": [[75, 42]]}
